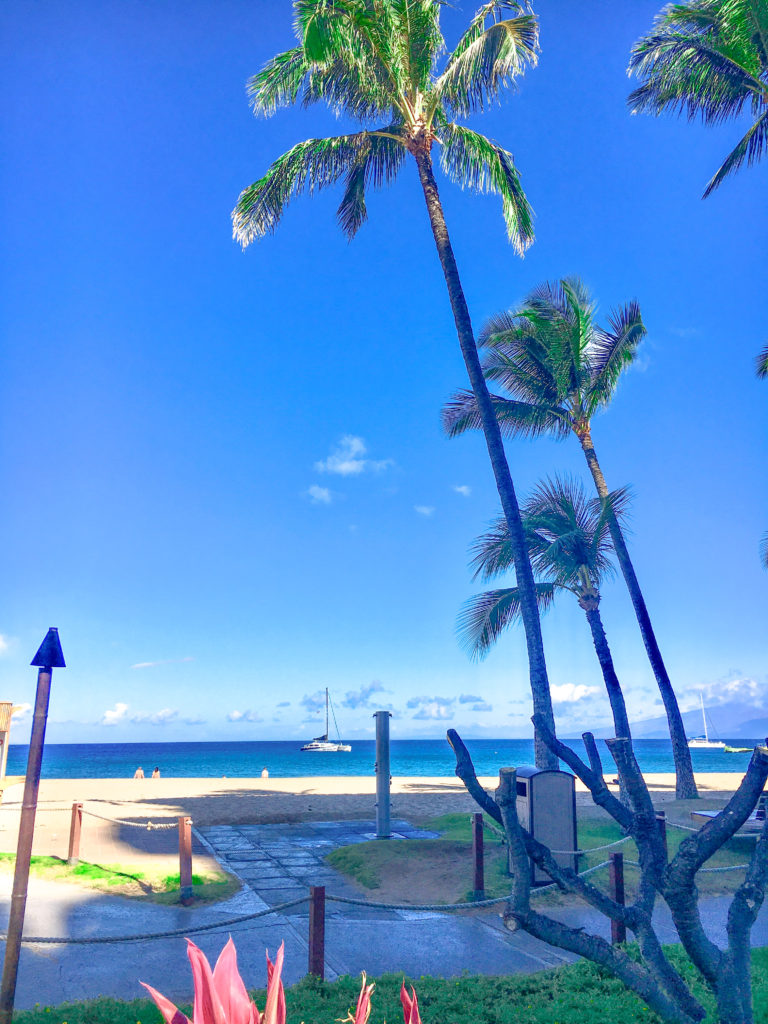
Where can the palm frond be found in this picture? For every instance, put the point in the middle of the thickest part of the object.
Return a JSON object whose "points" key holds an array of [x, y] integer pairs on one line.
{"points": [[750, 148], [475, 162], [280, 82], [419, 28], [761, 363], [477, 72], [611, 351], [516, 419], [377, 165], [311, 166], [691, 74], [483, 618], [492, 552]]}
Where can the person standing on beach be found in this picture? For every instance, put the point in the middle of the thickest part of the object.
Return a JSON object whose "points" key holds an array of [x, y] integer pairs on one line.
{"points": [[265, 773], [139, 773], [156, 772]]}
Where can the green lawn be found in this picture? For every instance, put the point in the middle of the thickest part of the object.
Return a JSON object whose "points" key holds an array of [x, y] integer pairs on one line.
{"points": [[581, 992], [404, 869], [127, 881]]}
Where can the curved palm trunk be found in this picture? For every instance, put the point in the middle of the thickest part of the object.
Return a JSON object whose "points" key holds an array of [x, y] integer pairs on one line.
{"points": [[542, 701], [590, 605], [685, 787]]}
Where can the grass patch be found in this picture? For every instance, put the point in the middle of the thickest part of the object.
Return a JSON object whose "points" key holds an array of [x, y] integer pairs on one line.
{"points": [[126, 881], [440, 870], [580, 992]]}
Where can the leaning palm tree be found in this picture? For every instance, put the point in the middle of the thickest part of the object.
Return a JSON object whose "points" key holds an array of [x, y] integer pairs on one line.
{"points": [[708, 59], [570, 545], [762, 372], [559, 367], [379, 64]]}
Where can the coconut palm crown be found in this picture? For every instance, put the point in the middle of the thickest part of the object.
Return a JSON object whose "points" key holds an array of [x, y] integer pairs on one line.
{"points": [[382, 65], [569, 540], [708, 59]]}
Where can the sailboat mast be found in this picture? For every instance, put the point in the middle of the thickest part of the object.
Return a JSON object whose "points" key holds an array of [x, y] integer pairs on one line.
{"points": [[703, 717], [326, 712]]}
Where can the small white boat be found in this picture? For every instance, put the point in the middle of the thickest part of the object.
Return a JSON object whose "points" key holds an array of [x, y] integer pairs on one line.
{"points": [[704, 742], [321, 744]]}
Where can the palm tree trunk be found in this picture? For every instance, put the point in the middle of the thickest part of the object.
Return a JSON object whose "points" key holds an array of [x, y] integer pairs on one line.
{"points": [[612, 684], [685, 788], [542, 701]]}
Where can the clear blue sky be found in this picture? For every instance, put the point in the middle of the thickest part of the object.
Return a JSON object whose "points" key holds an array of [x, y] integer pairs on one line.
{"points": [[167, 400]]}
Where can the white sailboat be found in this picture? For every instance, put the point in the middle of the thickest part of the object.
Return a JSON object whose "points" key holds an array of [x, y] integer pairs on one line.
{"points": [[704, 742], [321, 744]]}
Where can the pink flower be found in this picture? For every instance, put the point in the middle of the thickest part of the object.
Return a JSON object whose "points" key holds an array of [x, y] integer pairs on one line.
{"points": [[220, 995], [410, 1005]]}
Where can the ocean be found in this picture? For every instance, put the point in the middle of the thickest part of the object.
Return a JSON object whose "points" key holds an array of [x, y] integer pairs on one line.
{"points": [[284, 759]]}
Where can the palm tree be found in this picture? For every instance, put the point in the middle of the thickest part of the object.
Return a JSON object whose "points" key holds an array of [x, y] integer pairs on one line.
{"points": [[570, 544], [560, 368], [375, 63], [708, 58]]}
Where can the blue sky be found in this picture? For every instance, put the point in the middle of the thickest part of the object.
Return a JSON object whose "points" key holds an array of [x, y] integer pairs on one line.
{"points": [[224, 475]]}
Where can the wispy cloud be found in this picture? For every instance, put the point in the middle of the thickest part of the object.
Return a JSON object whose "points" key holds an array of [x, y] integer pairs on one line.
{"points": [[362, 697], [463, 490], [319, 495], [244, 716], [23, 713], [163, 717], [163, 661], [5, 643], [739, 689], [569, 693], [482, 705], [469, 698], [348, 459], [284, 704], [313, 702], [432, 708], [115, 714], [424, 510]]}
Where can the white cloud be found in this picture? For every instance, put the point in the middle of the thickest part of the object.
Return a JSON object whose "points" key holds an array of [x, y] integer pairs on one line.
{"points": [[319, 495], [424, 510], [741, 689], [163, 661], [244, 716], [469, 698], [115, 715], [463, 490], [362, 698], [163, 717], [4, 644], [347, 459], [23, 713], [569, 693], [432, 708]]}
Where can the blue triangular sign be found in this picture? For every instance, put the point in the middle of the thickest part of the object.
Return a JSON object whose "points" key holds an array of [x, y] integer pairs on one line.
{"points": [[49, 654]]}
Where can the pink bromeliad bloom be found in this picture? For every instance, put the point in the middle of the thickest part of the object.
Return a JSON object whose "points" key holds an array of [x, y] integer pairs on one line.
{"points": [[410, 1005], [221, 996]]}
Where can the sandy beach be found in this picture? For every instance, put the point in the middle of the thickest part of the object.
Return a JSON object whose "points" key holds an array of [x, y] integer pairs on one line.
{"points": [[252, 801]]}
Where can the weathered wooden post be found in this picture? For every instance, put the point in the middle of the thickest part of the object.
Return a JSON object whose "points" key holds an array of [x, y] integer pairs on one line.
{"points": [[75, 826], [661, 822], [383, 778], [185, 860], [478, 883], [48, 657], [616, 887], [317, 931]]}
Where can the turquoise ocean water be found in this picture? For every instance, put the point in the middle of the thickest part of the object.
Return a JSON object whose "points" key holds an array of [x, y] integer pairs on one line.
{"points": [[284, 759]]}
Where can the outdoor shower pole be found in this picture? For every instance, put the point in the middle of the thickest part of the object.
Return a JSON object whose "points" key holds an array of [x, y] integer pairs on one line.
{"points": [[383, 779], [48, 657]]}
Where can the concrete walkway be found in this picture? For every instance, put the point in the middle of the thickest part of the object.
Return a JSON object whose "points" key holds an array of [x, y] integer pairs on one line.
{"points": [[278, 863]]}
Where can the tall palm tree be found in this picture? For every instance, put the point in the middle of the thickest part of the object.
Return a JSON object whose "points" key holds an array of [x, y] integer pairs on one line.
{"points": [[708, 59], [560, 367], [570, 545], [379, 64]]}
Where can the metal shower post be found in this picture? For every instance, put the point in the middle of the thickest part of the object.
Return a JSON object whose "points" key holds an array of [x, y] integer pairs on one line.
{"points": [[383, 779]]}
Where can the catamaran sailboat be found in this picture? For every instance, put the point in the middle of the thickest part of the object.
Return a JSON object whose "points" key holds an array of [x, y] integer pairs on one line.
{"points": [[704, 742], [321, 744]]}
